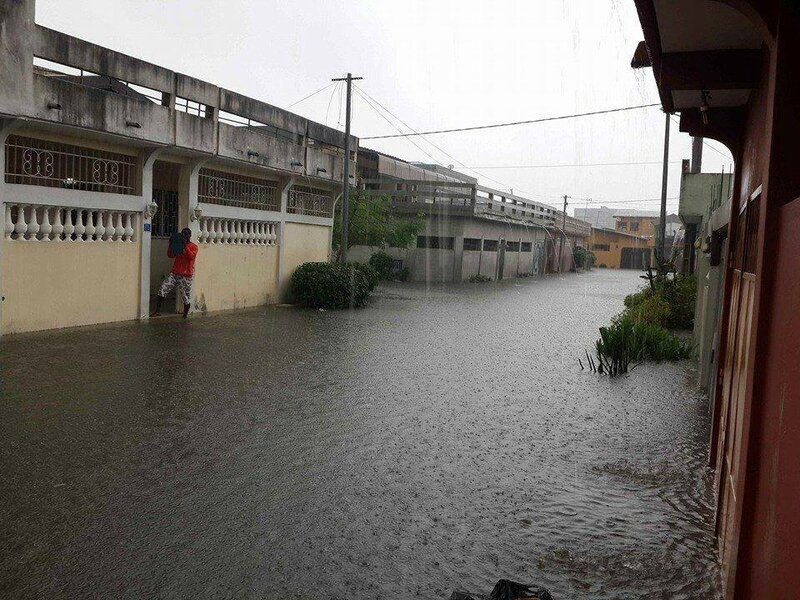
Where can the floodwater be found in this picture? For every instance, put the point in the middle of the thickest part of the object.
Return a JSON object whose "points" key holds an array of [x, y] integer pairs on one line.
{"points": [[441, 438]]}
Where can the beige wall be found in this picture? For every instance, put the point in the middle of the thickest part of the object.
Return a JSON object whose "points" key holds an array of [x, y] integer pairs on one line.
{"points": [[303, 243], [62, 284], [229, 276]]}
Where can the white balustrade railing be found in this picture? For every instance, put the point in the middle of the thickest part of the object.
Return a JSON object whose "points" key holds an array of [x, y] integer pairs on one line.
{"points": [[42, 223], [215, 230]]}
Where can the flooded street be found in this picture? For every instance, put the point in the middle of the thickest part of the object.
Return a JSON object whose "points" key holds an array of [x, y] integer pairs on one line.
{"points": [[438, 439]]}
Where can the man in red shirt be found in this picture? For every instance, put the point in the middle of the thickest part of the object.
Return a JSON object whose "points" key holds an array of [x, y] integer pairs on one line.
{"points": [[181, 275]]}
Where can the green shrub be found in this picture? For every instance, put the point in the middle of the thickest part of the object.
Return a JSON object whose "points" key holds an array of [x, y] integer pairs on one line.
{"points": [[653, 310], [479, 279], [373, 278], [671, 300], [681, 295], [382, 263], [583, 258], [403, 274], [332, 285]]}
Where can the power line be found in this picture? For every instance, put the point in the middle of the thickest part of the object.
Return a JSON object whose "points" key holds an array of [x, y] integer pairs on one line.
{"points": [[557, 166], [322, 89], [511, 123], [705, 143], [643, 200], [367, 97]]}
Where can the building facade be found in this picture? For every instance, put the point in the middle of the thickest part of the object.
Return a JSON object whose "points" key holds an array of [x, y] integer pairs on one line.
{"points": [[729, 68], [469, 229], [615, 249], [105, 155], [704, 210]]}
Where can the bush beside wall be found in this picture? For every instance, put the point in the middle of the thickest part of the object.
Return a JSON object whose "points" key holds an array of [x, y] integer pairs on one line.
{"points": [[333, 285]]}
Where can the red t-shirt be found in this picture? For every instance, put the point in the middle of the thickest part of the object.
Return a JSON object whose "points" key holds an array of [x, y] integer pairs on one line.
{"points": [[184, 264]]}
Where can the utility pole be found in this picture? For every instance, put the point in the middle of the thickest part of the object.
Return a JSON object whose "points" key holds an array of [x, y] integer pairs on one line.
{"points": [[346, 185], [661, 238], [563, 234]]}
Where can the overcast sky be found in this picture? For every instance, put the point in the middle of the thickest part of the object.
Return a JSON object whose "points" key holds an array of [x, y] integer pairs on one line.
{"points": [[435, 65]]}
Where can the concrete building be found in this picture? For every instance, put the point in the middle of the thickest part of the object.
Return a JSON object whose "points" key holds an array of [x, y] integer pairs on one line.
{"points": [[105, 155], [645, 224], [620, 250], [603, 216], [704, 209], [730, 68], [469, 229]]}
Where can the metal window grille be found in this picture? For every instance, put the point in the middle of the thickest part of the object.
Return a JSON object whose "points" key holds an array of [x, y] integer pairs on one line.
{"points": [[191, 107], [435, 242], [308, 201], [165, 221], [32, 161], [472, 244], [216, 187]]}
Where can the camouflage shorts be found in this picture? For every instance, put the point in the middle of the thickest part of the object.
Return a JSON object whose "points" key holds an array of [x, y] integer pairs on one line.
{"points": [[184, 285]]}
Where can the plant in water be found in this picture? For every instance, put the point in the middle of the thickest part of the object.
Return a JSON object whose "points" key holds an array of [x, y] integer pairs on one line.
{"points": [[627, 342], [479, 279]]}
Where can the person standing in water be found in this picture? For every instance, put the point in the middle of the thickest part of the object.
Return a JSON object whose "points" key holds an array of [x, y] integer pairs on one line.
{"points": [[182, 271]]}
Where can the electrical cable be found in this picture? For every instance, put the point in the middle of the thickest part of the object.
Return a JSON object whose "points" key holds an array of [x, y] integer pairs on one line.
{"points": [[322, 89], [512, 123], [557, 166], [440, 149]]}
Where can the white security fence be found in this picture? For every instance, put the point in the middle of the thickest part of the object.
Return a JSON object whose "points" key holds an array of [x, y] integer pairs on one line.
{"points": [[214, 230], [43, 223]]}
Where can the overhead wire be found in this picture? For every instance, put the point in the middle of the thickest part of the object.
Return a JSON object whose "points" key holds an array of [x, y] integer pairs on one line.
{"points": [[513, 123], [560, 166], [304, 98], [439, 148]]}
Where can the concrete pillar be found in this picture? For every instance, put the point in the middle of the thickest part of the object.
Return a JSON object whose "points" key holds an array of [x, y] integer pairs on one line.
{"points": [[283, 279], [458, 257], [187, 203], [147, 159], [16, 48], [6, 127]]}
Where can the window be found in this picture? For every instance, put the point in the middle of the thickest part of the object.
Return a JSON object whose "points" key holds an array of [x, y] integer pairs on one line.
{"points": [[527, 246], [472, 244], [191, 107], [490, 245], [33, 161], [165, 221], [502, 209], [602, 247], [513, 211], [622, 226], [512, 246], [489, 206], [398, 187], [434, 242], [634, 227], [216, 187]]}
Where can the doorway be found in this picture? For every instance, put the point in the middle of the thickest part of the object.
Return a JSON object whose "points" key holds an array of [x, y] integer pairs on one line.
{"points": [[166, 181]]}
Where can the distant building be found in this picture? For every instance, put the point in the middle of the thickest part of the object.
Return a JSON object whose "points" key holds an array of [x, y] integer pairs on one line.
{"points": [[470, 229], [603, 217], [615, 249]]}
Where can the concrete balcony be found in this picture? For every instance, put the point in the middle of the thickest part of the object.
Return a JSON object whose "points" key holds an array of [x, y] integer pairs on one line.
{"points": [[76, 105], [257, 147]]}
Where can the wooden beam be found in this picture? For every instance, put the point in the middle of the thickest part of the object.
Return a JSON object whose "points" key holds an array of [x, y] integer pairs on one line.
{"points": [[710, 70]]}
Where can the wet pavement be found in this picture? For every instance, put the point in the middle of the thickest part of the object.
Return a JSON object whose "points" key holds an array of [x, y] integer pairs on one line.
{"points": [[438, 439]]}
